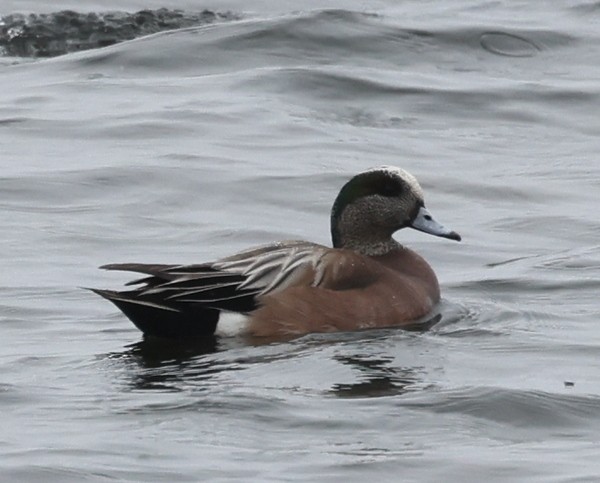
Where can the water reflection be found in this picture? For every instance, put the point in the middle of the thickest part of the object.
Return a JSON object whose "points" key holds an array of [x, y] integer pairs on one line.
{"points": [[175, 365], [163, 364], [152, 352], [377, 378], [377, 374]]}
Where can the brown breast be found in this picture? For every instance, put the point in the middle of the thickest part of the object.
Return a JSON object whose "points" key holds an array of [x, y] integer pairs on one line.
{"points": [[353, 292]]}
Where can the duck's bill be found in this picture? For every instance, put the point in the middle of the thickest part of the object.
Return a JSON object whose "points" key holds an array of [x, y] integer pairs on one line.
{"points": [[425, 222]]}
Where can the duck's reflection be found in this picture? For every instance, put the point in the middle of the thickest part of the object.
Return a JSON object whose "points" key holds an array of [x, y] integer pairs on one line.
{"points": [[377, 374], [378, 378], [175, 365], [163, 364], [152, 352]]}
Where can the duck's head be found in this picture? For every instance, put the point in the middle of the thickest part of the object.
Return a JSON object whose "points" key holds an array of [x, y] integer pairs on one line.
{"points": [[375, 204]]}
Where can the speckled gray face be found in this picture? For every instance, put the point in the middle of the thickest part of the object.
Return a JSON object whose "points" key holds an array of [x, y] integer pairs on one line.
{"points": [[423, 221]]}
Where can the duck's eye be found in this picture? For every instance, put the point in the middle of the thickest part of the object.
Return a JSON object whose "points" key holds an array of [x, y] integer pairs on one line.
{"points": [[390, 188]]}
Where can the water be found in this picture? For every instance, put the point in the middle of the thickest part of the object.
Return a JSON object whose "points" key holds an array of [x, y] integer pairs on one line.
{"points": [[189, 145]]}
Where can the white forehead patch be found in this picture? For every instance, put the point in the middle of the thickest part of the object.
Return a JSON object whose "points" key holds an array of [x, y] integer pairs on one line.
{"points": [[403, 174]]}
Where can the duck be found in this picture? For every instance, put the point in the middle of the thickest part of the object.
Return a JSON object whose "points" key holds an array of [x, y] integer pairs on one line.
{"points": [[365, 280]]}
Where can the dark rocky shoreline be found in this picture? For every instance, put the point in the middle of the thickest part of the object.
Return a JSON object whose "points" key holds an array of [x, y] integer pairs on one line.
{"points": [[52, 34]]}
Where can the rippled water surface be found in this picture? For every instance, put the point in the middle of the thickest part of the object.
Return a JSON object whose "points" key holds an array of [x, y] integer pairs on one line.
{"points": [[192, 144]]}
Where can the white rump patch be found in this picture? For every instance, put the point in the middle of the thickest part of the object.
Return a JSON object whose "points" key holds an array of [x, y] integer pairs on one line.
{"points": [[231, 324]]}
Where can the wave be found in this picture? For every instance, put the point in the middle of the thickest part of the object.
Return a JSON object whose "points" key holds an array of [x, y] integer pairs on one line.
{"points": [[516, 407]]}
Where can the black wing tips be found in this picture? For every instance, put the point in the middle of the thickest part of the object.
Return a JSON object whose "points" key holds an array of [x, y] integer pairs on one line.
{"points": [[143, 268], [107, 294], [132, 298], [156, 319]]}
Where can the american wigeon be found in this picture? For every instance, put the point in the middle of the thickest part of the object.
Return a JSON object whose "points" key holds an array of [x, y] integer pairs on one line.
{"points": [[366, 280]]}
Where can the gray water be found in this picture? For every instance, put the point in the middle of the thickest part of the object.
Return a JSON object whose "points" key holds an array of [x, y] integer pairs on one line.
{"points": [[191, 144]]}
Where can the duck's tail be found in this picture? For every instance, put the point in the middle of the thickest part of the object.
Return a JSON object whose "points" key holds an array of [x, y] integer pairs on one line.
{"points": [[160, 319]]}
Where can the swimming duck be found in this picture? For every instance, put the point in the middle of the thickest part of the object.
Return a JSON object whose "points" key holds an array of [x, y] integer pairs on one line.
{"points": [[291, 288]]}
